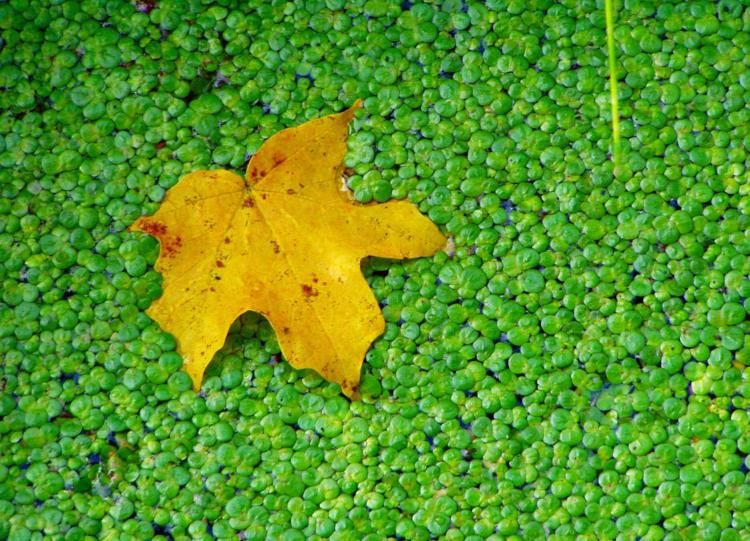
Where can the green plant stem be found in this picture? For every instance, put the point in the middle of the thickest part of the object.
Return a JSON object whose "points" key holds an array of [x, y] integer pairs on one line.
{"points": [[610, 21]]}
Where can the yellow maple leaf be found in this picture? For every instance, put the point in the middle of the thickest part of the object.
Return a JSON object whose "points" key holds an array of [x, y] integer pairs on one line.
{"points": [[285, 242]]}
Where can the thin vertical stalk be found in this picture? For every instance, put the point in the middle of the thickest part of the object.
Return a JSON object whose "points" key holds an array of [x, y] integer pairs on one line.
{"points": [[614, 104]]}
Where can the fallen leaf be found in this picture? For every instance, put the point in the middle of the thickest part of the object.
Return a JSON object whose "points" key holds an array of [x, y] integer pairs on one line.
{"points": [[286, 242]]}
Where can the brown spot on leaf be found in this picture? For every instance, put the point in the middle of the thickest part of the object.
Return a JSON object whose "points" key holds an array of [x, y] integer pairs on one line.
{"points": [[248, 202], [285, 330], [219, 263], [275, 245], [153, 227], [278, 158], [349, 386], [170, 246], [264, 195], [315, 279], [290, 191], [227, 240], [309, 291]]}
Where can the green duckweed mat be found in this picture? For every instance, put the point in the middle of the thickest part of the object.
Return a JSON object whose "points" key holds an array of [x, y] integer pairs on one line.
{"points": [[576, 370]]}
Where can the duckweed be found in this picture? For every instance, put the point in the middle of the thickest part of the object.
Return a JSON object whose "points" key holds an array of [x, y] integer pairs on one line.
{"points": [[576, 368]]}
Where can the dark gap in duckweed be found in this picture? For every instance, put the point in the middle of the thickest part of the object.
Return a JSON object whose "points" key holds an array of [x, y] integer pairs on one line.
{"points": [[308, 76], [160, 529]]}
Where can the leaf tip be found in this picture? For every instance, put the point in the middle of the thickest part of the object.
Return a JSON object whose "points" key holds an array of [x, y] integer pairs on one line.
{"points": [[351, 389], [136, 225], [196, 374], [349, 113]]}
